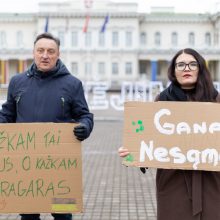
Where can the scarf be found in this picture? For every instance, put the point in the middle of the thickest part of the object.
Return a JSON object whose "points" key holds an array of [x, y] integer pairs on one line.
{"points": [[175, 93]]}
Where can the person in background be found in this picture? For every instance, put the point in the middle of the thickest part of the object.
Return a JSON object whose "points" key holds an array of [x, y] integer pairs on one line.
{"points": [[47, 92], [187, 194]]}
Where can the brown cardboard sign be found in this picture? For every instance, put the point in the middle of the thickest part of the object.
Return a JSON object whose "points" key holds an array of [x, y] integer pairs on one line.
{"points": [[40, 168], [172, 135]]}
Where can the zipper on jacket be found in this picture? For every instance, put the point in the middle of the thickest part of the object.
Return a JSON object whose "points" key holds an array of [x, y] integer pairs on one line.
{"points": [[63, 106], [17, 102]]}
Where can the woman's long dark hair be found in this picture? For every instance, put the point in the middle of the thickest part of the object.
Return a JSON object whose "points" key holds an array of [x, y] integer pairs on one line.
{"points": [[204, 88]]}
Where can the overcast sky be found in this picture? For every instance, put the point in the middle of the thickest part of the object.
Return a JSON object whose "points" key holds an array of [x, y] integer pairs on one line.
{"points": [[199, 6]]}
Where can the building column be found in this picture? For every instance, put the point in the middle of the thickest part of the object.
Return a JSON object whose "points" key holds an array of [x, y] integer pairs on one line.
{"points": [[22, 66], [154, 66], [4, 71], [217, 70], [7, 78], [25, 65], [207, 64]]}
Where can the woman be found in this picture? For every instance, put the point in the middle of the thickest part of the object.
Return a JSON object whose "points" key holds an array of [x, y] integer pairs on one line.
{"points": [[187, 194]]}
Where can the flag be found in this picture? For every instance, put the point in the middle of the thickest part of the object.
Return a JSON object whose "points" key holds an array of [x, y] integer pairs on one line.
{"points": [[86, 24], [105, 23], [46, 24]]}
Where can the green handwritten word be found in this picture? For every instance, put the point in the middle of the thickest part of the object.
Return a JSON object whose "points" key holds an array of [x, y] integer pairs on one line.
{"points": [[129, 158], [51, 139], [140, 128], [26, 163], [6, 164], [33, 188], [50, 163], [14, 142]]}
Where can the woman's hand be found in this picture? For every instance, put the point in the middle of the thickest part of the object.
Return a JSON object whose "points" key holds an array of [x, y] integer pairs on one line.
{"points": [[123, 152]]}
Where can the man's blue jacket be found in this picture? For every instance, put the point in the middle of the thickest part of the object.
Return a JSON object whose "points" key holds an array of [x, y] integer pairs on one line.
{"points": [[54, 96]]}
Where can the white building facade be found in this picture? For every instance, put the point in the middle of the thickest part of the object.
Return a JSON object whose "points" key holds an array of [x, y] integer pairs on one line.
{"points": [[133, 46]]}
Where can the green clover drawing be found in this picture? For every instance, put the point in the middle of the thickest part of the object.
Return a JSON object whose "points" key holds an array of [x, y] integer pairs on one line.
{"points": [[129, 158], [140, 126]]}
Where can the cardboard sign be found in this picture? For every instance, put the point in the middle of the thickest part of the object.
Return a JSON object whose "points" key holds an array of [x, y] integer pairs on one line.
{"points": [[40, 168], [172, 135]]}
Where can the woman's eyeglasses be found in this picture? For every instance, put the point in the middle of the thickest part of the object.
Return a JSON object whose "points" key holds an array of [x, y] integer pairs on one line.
{"points": [[181, 66]]}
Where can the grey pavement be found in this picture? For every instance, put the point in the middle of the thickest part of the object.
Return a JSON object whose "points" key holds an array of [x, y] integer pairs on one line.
{"points": [[111, 190]]}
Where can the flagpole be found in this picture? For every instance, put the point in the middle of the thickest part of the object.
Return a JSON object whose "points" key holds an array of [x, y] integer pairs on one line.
{"points": [[88, 6], [46, 27], [103, 31]]}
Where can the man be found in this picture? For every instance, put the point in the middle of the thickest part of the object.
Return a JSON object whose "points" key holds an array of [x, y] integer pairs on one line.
{"points": [[47, 92]]}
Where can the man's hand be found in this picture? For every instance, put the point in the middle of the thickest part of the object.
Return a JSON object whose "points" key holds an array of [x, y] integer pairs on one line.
{"points": [[81, 132]]}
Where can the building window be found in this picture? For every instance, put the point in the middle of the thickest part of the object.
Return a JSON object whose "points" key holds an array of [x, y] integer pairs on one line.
{"points": [[157, 38], [101, 68], [74, 68], [61, 36], [115, 68], [3, 41], [20, 42], [74, 39], [101, 39], [128, 39], [174, 39], [88, 39], [191, 39], [208, 39], [88, 68], [143, 38], [115, 39], [128, 68]]}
